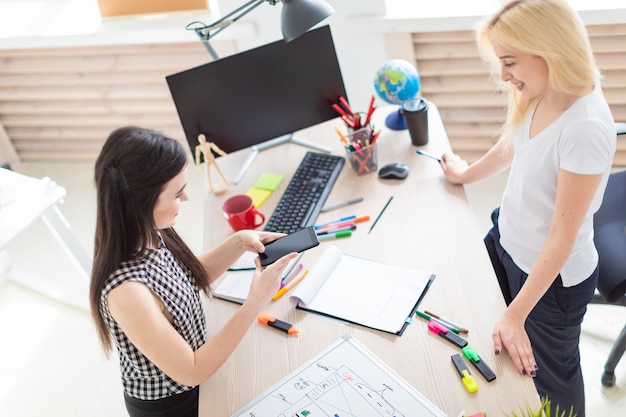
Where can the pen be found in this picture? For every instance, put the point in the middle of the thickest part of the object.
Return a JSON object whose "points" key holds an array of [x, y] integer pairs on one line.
{"points": [[420, 152], [450, 323], [446, 334], [343, 219], [291, 275], [345, 233], [370, 110], [429, 317], [339, 110], [466, 377], [270, 321], [346, 222], [342, 204], [380, 214], [345, 105], [342, 137], [325, 231], [290, 285], [478, 363]]}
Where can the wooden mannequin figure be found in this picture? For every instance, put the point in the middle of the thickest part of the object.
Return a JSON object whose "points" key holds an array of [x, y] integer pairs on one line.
{"points": [[206, 149]]}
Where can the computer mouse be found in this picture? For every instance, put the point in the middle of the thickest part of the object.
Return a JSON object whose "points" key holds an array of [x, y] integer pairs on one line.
{"points": [[393, 171]]}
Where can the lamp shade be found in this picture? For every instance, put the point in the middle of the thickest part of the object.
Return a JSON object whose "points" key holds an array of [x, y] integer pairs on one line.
{"points": [[298, 16]]}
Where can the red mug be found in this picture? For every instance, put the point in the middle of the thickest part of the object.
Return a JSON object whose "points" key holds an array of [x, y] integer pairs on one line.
{"points": [[240, 212]]}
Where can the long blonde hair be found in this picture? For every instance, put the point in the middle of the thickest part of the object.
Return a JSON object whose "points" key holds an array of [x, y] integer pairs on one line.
{"points": [[549, 29]]}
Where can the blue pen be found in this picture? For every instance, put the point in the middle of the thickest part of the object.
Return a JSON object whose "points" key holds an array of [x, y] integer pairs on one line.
{"points": [[343, 219], [420, 152]]}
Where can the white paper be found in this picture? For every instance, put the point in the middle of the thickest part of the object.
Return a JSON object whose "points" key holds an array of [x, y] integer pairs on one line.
{"points": [[361, 291]]}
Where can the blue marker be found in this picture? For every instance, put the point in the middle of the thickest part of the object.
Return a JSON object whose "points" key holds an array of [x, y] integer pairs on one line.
{"points": [[343, 219], [420, 152]]}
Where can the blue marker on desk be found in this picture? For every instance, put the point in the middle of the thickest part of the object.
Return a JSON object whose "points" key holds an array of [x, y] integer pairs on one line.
{"points": [[343, 219], [420, 152]]}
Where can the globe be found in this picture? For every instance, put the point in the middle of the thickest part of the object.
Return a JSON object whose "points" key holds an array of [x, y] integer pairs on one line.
{"points": [[397, 81]]}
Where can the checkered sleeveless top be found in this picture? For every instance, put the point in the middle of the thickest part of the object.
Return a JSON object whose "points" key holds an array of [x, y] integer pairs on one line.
{"points": [[160, 272]]}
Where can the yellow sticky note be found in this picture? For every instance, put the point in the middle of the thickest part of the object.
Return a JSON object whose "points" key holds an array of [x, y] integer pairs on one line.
{"points": [[258, 195], [269, 181]]}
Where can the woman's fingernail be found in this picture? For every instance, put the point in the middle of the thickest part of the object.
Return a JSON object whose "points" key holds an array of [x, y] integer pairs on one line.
{"points": [[523, 371], [497, 351], [533, 374]]}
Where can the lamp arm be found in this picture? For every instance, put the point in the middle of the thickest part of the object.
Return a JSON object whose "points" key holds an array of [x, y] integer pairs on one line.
{"points": [[221, 24]]}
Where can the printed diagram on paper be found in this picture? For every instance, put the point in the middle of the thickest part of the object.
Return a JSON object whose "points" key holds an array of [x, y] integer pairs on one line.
{"points": [[346, 380]]}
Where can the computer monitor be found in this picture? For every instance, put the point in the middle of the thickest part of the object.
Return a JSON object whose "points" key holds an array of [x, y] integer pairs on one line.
{"points": [[264, 93]]}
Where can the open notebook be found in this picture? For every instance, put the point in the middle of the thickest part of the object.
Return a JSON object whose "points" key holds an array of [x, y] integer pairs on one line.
{"points": [[362, 291]]}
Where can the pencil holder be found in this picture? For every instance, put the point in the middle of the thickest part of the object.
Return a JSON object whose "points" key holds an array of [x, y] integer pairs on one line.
{"points": [[361, 150], [361, 136], [363, 160]]}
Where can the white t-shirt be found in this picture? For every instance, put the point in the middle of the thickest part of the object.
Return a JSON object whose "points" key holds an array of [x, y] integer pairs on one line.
{"points": [[582, 140]]}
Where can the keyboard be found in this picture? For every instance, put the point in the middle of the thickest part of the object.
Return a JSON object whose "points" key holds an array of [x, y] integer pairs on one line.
{"points": [[306, 193]]}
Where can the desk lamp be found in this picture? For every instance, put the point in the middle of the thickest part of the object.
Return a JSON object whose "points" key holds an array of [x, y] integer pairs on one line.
{"points": [[297, 17]]}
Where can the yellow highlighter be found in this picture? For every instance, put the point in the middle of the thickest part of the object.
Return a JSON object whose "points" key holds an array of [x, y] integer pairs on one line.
{"points": [[466, 377]]}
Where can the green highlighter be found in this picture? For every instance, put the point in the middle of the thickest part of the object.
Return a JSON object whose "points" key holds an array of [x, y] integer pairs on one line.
{"points": [[478, 363], [345, 233]]}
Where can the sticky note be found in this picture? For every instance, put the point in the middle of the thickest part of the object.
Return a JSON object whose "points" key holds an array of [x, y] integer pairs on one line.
{"points": [[269, 181], [258, 195]]}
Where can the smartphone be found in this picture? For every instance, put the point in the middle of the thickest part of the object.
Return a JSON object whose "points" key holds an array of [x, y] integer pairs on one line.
{"points": [[298, 241]]}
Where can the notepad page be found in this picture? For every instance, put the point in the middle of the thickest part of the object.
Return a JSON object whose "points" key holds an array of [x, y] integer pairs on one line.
{"points": [[370, 293], [306, 291]]}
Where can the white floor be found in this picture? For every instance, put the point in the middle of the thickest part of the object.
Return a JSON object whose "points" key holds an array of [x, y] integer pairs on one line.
{"points": [[50, 361]]}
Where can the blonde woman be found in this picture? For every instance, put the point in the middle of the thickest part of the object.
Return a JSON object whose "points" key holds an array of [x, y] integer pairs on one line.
{"points": [[558, 142]]}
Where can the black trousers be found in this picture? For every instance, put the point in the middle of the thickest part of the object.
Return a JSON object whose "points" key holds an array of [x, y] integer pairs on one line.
{"points": [[180, 405], [553, 327]]}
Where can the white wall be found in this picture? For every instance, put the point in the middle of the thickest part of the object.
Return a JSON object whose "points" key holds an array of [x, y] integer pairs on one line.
{"points": [[358, 27]]}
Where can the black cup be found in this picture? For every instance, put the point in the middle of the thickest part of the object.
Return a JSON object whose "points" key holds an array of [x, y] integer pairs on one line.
{"points": [[415, 112]]}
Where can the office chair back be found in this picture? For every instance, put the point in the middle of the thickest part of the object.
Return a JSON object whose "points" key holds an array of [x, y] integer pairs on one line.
{"points": [[610, 239]]}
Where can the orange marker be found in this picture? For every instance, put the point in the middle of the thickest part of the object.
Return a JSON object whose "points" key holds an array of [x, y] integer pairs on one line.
{"points": [[270, 321]]}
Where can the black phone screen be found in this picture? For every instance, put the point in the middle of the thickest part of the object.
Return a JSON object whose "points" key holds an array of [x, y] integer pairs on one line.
{"points": [[298, 241]]}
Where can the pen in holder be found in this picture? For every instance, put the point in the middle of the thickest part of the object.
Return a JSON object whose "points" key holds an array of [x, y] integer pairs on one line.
{"points": [[361, 149]]}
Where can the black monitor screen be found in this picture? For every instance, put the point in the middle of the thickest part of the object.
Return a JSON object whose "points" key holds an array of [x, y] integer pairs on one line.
{"points": [[260, 94]]}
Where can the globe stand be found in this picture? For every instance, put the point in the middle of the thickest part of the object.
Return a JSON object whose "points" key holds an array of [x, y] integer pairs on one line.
{"points": [[395, 120]]}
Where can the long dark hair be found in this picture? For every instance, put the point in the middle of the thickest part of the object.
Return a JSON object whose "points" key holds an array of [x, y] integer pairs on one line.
{"points": [[133, 167]]}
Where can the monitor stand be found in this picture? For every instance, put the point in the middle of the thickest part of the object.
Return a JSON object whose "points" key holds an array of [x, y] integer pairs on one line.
{"points": [[255, 149]]}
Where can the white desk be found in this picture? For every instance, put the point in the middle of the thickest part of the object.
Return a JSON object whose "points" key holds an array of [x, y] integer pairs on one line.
{"points": [[430, 226], [25, 200]]}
